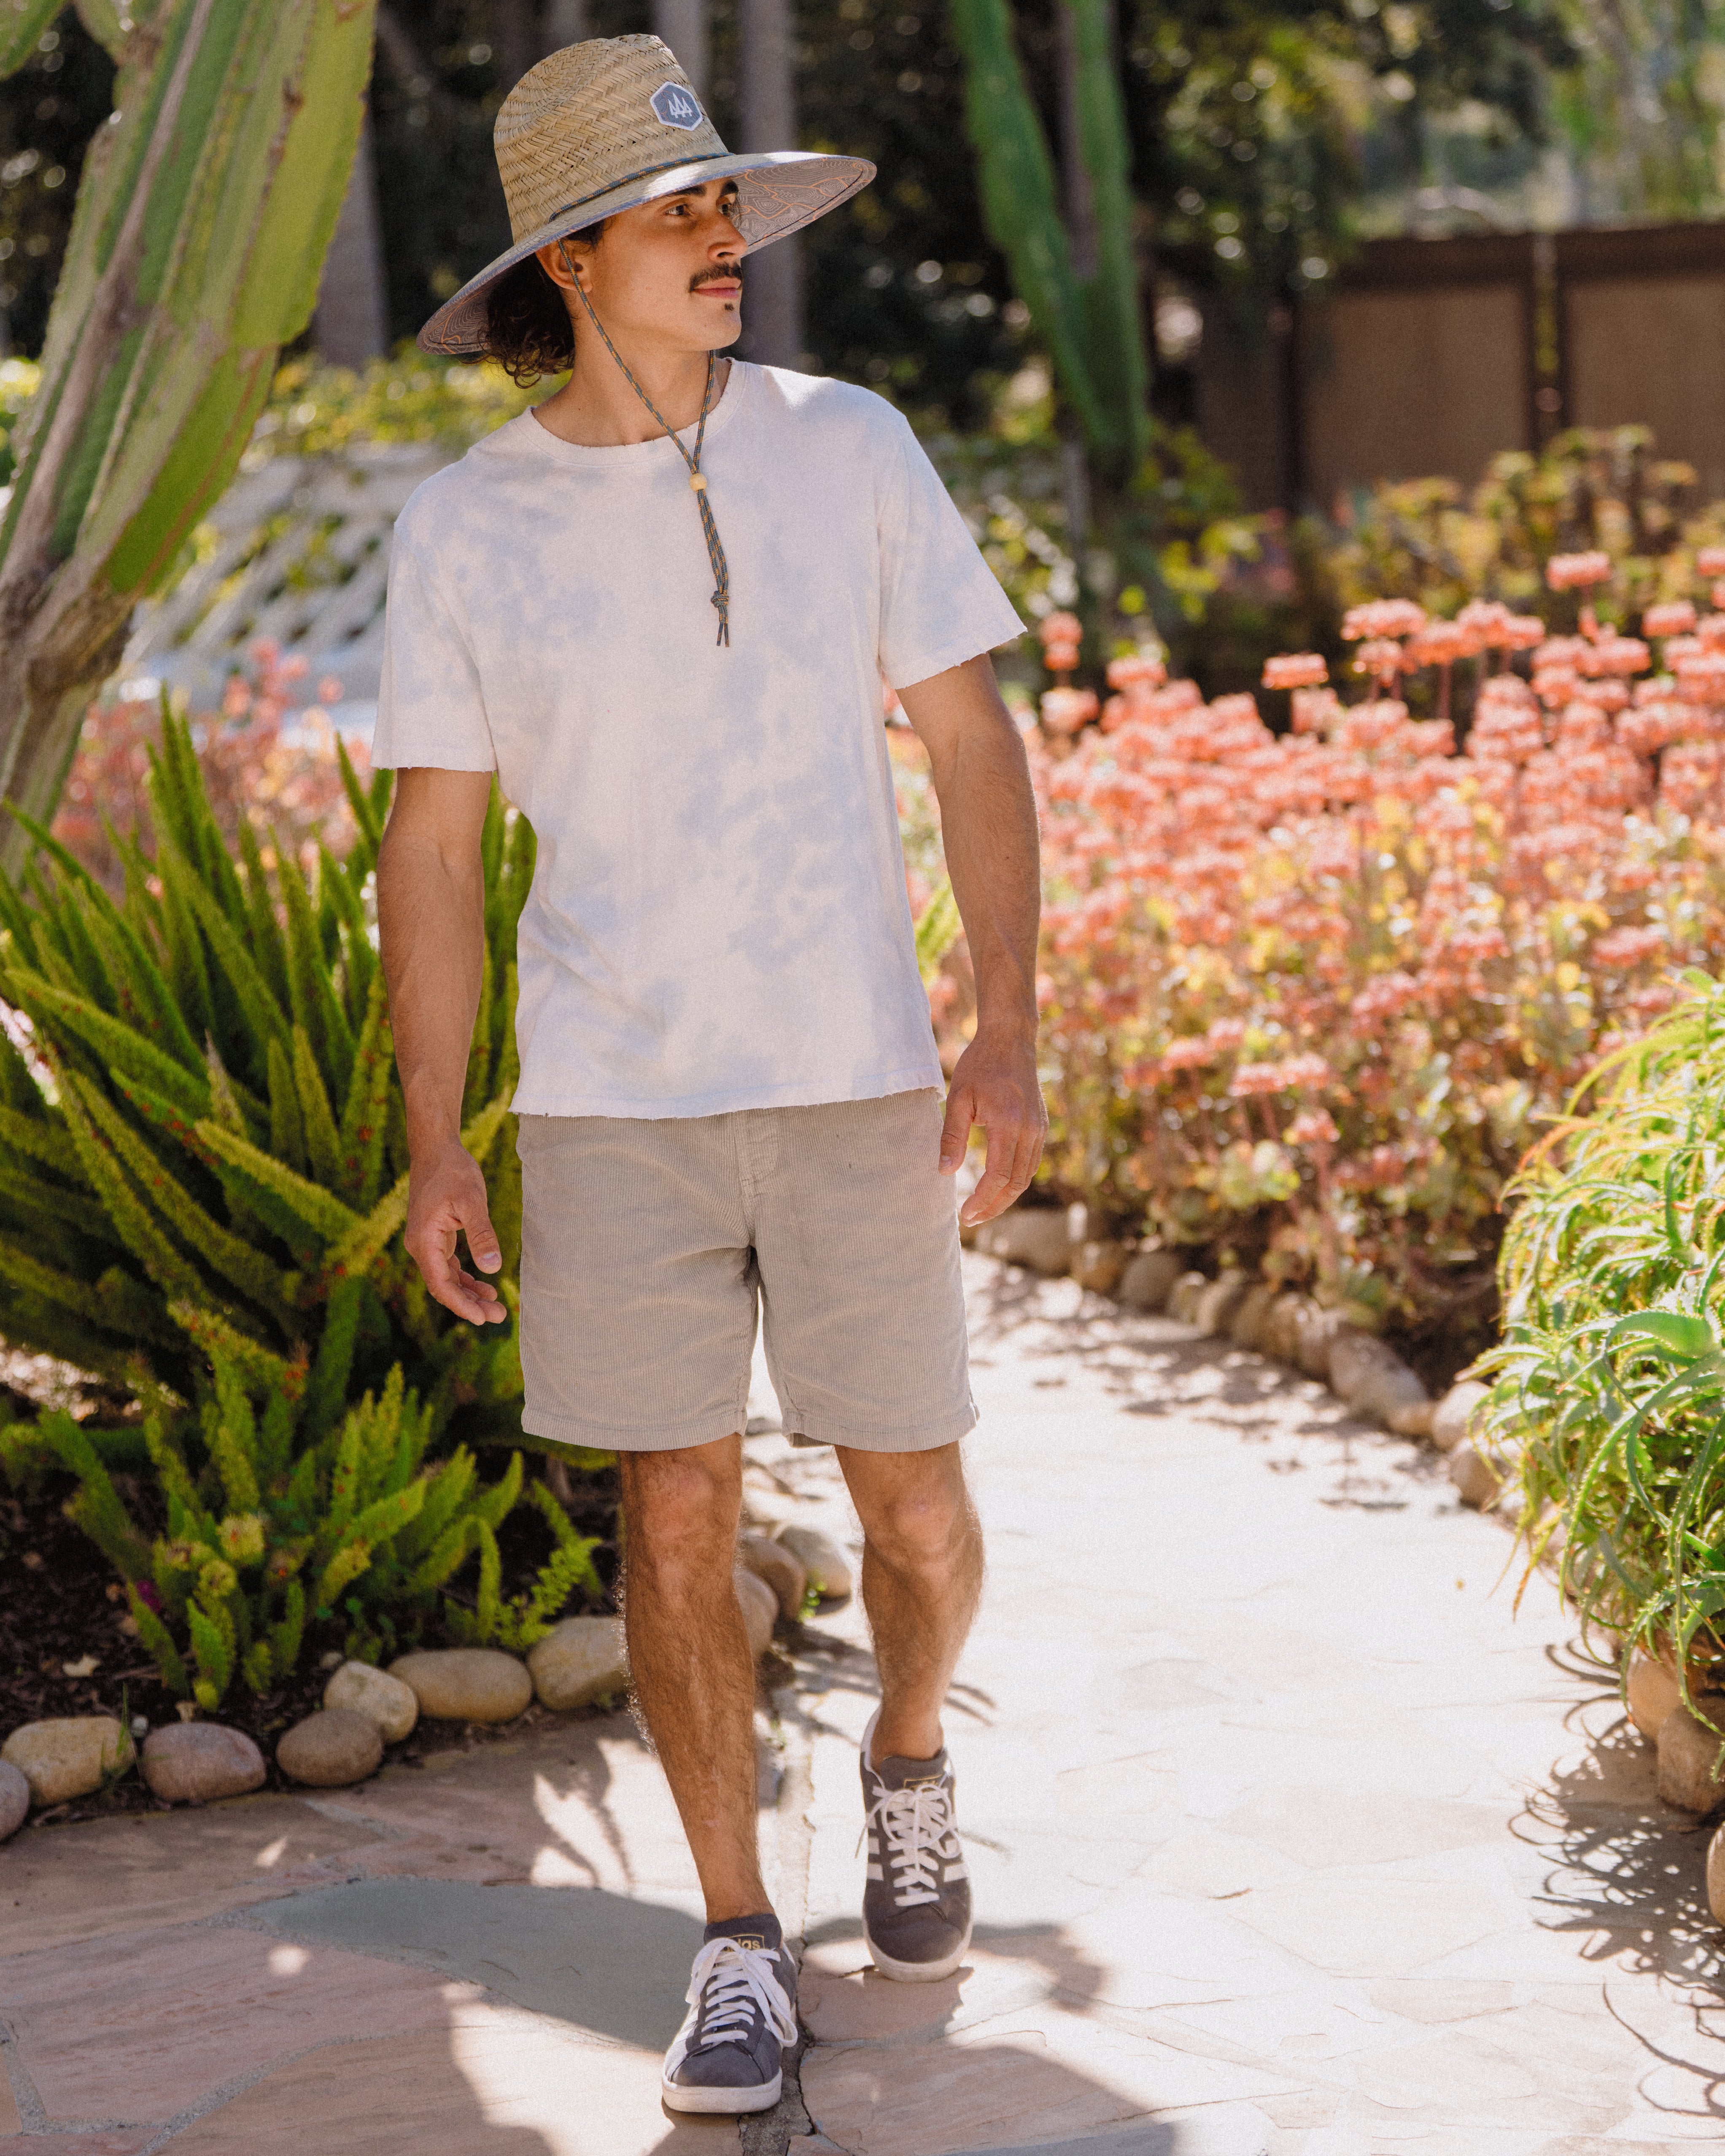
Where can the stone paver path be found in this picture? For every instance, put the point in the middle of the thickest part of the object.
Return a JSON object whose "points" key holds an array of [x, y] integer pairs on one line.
{"points": [[1288, 1839]]}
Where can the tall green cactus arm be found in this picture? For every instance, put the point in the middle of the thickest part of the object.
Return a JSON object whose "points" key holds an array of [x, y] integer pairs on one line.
{"points": [[1020, 207], [204, 213], [109, 23], [1113, 309], [21, 22]]}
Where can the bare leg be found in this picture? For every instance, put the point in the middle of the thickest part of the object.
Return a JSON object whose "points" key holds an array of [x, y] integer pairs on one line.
{"points": [[921, 1580], [689, 1656]]}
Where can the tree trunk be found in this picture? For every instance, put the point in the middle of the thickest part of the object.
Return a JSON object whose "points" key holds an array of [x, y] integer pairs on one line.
{"points": [[352, 325], [683, 25], [772, 279]]}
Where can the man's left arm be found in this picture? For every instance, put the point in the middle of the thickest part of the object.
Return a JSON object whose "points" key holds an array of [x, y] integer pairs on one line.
{"points": [[988, 827]]}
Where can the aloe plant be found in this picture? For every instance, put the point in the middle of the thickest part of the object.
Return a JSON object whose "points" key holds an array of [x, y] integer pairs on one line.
{"points": [[203, 215]]}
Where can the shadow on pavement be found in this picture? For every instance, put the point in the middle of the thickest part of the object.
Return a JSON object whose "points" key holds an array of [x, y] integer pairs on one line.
{"points": [[600, 1962]]}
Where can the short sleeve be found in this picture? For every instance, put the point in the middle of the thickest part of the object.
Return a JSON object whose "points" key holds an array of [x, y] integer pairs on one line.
{"points": [[430, 710], [940, 603]]}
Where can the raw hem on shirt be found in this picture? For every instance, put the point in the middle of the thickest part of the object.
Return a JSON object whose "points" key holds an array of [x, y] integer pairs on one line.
{"points": [[802, 1094], [947, 656]]}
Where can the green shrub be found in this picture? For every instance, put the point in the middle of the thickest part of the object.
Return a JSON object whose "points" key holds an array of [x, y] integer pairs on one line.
{"points": [[201, 1139], [1610, 1378], [203, 1187]]}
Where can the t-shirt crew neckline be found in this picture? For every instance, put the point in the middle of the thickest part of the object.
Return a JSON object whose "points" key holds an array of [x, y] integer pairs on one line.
{"points": [[661, 445]]}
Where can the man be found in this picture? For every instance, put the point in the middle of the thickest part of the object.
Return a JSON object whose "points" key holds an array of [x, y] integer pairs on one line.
{"points": [[728, 1083]]}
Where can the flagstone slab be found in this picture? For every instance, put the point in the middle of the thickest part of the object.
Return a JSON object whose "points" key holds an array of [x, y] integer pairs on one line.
{"points": [[1010, 2087], [609, 1964], [128, 2143], [1322, 1828], [62, 1884], [489, 2084], [93, 2034], [576, 1801], [843, 1999]]}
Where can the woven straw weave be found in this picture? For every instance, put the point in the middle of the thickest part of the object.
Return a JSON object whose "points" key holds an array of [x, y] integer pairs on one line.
{"points": [[578, 140], [609, 83]]}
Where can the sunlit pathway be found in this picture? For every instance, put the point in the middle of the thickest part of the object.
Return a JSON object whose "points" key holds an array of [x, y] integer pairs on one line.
{"points": [[1285, 1838], [1285, 1835]]}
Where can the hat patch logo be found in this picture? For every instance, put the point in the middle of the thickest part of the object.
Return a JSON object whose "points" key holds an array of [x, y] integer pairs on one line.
{"points": [[676, 106]]}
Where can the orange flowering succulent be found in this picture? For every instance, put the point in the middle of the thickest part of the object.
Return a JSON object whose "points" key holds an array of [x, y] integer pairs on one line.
{"points": [[1307, 996]]}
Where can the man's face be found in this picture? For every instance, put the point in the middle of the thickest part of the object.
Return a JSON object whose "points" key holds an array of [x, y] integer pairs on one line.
{"points": [[668, 271]]}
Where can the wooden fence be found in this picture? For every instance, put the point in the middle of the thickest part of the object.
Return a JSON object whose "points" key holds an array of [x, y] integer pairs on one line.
{"points": [[1430, 356]]}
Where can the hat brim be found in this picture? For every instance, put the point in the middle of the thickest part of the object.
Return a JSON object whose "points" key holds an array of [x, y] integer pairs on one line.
{"points": [[778, 192]]}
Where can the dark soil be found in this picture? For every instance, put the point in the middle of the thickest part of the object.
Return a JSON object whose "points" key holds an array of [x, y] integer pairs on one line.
{"points": [[61, 1605]]}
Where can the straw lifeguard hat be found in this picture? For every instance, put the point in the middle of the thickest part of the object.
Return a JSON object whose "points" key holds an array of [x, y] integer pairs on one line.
{"points": [[603, 126]]}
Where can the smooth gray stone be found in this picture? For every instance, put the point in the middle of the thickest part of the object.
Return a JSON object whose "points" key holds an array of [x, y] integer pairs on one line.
{"points": [[201, 1762], [14, 1799], [600, 1961]]}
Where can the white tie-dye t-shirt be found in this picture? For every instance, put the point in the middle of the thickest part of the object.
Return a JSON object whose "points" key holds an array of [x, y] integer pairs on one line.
{"points": [[718, 917]]}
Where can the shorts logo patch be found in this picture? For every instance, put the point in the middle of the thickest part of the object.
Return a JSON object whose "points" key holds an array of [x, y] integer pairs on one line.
{"points": [[677, 107]]}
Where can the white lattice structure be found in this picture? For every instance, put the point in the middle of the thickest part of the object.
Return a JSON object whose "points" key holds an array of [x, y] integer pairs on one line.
{"points": [[301, 555]]}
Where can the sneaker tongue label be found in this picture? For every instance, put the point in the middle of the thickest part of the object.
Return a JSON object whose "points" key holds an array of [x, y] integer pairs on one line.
{"points": [[754, 1939]]}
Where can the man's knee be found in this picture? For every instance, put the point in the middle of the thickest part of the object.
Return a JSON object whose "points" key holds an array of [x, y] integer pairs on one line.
{"points": [[681, 1508], [916, 1511]]}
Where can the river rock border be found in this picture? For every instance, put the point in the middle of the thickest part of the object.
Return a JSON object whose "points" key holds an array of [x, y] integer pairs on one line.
{"points": [[786, 1569]]}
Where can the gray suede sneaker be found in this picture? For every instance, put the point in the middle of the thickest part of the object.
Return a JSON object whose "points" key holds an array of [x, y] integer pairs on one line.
{"points": [[725, 2057], [917, 1903]]}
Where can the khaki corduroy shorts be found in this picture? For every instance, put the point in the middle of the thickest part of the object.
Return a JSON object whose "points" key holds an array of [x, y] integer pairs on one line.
{"points": [[648, 1244]]}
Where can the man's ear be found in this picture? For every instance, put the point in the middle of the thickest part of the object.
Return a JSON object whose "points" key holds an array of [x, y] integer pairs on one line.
{"points": [[552, 261]]}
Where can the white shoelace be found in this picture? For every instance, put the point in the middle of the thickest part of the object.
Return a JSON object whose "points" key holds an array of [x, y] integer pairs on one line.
{"points": [[917, 1833], [743, 1979]]}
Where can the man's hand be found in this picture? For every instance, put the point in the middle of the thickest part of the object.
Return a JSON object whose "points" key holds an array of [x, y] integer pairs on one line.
{"points": [[446, 1196], [997, 1087]]}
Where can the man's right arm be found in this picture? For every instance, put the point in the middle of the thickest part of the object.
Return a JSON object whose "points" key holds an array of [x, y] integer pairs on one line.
{"points": [[431, 927]]}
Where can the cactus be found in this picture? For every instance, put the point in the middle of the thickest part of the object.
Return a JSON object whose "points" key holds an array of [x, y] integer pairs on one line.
{"points": [[1092, 326], [205, 209]]}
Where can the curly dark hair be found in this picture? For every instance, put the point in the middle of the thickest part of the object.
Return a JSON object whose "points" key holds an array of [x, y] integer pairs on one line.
{"points": [[528, 331]]}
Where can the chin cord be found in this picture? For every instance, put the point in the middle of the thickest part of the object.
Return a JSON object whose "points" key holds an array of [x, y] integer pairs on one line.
{"points": [[697, 478]]}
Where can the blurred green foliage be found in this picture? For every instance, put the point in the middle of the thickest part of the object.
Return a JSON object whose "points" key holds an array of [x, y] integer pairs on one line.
{"points": [[1609, 1384]]}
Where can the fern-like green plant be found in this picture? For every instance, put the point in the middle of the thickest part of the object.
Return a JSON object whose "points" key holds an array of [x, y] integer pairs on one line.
{"points": [[526, 1617], [202, 1147], [203, 1188], [268, 1526]]}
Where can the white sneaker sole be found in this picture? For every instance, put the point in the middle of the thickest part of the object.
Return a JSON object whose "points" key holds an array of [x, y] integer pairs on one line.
{"points": [[915, 1972], [730, 2102]]}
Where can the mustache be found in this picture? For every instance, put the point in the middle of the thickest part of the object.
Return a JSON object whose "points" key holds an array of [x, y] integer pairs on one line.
{"points": [[715, 277]]}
